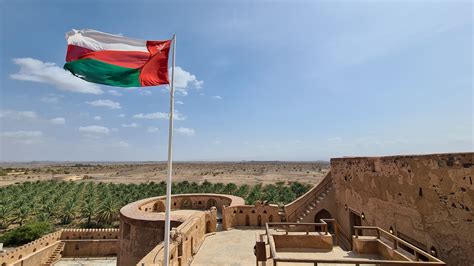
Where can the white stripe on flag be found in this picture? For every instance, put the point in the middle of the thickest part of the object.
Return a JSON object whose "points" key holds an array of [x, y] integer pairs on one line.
{"points": [[97, 41]]}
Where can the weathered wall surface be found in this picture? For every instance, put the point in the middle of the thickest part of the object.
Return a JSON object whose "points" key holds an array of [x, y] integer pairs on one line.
{"points": [[90, 248], [427, 199], [90, 242], [142, 225], [249, 215], [35, 251], [79, 243], [185, 241]]}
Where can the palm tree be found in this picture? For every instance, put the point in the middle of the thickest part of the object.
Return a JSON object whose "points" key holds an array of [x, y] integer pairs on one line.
{"points": [[22, 214], [88, 210], [5, 216], [67, 213], [230, 188], [107, 212]]}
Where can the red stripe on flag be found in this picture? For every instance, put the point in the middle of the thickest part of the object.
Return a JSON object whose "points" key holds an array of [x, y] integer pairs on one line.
{"points": [[128, 59]]}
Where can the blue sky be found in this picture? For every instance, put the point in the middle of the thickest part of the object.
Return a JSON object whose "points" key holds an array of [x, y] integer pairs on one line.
{"points": [[283, 80]]}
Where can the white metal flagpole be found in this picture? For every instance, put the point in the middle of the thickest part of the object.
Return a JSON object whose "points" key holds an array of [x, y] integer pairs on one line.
{"points": [[170, 162]]}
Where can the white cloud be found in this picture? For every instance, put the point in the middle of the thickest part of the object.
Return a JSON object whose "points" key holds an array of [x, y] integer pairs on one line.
{"points": [[105, 103], [185, 131], [23, 137], [94, 130], [130, 125], [160, 116], [97, 118], [51, 98], [12, 114], [49, 73], [22, 134], [58, 121], [114, 92], [335, 139], [217, 97], [145, 92], [122, 144], [121, 115], [152, 130], [179, 102], [185, 80], [157, 115]]}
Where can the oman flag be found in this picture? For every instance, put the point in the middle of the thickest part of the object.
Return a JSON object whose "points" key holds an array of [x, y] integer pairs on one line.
{"points": [[116, 60]]}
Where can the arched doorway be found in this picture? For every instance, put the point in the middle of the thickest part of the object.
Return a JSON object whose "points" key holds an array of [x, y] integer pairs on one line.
{"points": [[159, 206], [211, 203], [247, 220], [324, 214], [208, 226], [270, 219], [259, 220]]}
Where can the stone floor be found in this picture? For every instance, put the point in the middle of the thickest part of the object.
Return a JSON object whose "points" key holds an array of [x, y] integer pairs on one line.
{"points": [[228, 248], [108, 261]]}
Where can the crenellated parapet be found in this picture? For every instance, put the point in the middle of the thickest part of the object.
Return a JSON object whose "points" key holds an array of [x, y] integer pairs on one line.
{"points": [[99, 233], [27, 250]]}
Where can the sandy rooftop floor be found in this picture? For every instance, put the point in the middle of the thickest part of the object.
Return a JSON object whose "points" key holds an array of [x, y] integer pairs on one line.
{"points": [[237, 251], [109, 261]]}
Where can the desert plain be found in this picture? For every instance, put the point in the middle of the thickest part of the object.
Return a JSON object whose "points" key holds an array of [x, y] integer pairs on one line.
{"points": [[250, 173]]}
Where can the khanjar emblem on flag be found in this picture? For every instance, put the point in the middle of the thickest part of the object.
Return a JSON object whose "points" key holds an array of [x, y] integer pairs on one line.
{"points": [[116, 60]]}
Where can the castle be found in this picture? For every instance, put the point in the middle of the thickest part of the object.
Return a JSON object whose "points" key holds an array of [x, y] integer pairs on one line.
{"points": [[394, 210]]}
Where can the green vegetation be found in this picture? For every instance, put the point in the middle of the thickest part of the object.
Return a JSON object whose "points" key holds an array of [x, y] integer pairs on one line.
{"points": [[25, 233], [89, 204]]}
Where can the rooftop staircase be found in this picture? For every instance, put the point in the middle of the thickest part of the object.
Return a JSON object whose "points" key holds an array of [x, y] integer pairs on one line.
{"points": [[314, 204], [56, 255]]}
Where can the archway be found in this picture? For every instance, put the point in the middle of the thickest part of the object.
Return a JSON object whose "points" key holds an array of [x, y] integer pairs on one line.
{"points": [[211, 203], [159, 206], [270, 218], [208, 227], [324, 214], [259, 220], [247, 220]]}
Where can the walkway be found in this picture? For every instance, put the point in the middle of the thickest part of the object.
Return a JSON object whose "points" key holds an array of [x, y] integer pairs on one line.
{"points": [[229, 248]]}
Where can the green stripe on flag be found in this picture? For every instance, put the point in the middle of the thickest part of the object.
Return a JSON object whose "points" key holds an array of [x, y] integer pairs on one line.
{"points": [[104, 73]]}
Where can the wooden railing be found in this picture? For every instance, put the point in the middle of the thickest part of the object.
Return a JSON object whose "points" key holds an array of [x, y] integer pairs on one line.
{"points": [[307, 198], [396, 242]]}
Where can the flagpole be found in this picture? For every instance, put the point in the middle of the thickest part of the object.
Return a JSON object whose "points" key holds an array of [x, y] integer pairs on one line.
{"points": [[170, 161]]}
